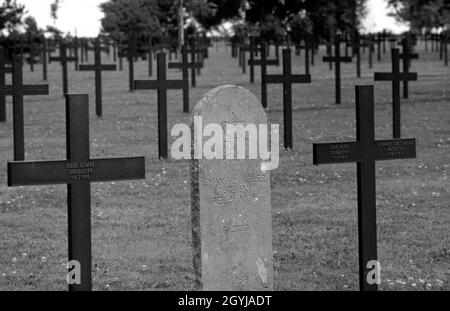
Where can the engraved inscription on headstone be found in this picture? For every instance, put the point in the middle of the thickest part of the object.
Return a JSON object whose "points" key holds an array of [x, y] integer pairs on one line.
{"points": [[231, 209]]}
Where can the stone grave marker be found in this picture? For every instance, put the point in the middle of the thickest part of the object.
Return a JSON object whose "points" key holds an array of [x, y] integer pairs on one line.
{"points": [[231, 203]]}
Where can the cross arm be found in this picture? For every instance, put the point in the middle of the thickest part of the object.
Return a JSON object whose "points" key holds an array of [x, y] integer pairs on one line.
{"points": [[300, 79], [280, 79], [59, 59], [409, 56], [336, 153], [84, 67], [395, 149], [176, 65], [66, 172], [259, 62], [195, 65], [387, 76], [118, 169], [37, 173], [26, 90], [154, 85]]}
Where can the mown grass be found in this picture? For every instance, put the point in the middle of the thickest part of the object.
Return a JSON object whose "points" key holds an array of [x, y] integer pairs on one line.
{"points": [[141, 229]]}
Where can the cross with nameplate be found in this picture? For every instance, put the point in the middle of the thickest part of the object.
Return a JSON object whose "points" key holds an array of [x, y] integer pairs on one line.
{"points": [[162, 85], [406, 56], [18, 90], [78, 172], [365, 151], [263, 62], [98, 68], [64, 59], [337, 60], [395, 76], [3, 71], [287, 79]]}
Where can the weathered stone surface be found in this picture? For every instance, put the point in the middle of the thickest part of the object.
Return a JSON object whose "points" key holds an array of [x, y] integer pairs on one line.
{"points": [[231, 204]]}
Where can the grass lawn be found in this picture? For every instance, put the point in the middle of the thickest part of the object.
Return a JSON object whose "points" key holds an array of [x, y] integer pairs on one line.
{"points": [[141, 229]]}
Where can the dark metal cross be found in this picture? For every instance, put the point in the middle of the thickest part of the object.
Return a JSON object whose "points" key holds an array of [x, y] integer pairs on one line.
{"points": [[78, 172], [64, 59], [251, 56], [18, 90], [185, 65], [150, 57], [368, 42], [337, 60], [287, 79], [365, 151], [196, 63], [3, 71], [44, 55], [244, 48], [263, 62], [162, 85], [307, 47], [196, 57], [444, 48], [356, 45], [379, 40], [395, 76], [98, 68], [406, 56]]}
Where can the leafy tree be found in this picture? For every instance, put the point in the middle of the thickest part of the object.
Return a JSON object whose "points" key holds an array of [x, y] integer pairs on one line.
{"points": [[11, 14], [422, 14], [136, 20], [300, 27], [54, 32], [32, 31], [131, 20], [54, 8], [218, 11], [327, 17]]}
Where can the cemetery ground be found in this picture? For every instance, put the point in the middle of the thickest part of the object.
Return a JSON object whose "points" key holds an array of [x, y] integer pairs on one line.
{"points": [[141, 236]]}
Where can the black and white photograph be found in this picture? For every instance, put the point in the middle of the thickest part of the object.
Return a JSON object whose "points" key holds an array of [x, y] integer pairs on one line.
{"points": [[238, 147]]}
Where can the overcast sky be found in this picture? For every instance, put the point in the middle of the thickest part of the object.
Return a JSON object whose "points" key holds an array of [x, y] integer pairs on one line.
{"points": [[82, 17]]}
